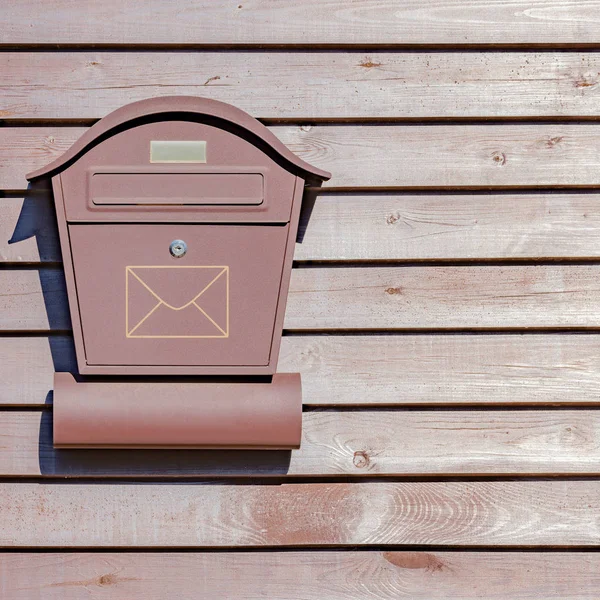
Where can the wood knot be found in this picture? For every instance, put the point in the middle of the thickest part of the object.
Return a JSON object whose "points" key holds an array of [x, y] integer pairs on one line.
{"points": [[369, 64], [392, 291], [551, 142], [108, 579], [391, 219], [415, 560], [93, 63], [210, 79], [584, 82], [361, 459], [499, 158]]}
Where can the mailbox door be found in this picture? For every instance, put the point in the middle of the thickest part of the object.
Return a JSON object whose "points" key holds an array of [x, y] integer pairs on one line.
{"points": [[214, 306]]}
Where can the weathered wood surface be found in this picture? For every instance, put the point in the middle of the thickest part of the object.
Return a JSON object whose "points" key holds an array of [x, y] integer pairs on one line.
{"points": [[398, 227], [444, 297], [281, 22], [331, 575], [379, 443], [492, 513], [373, 298], [453, 226], [409, 156], [306, 85], [405, 370]]}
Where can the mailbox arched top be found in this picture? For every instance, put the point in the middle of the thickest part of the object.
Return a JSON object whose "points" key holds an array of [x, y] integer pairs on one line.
{"points": [[181, 108]]}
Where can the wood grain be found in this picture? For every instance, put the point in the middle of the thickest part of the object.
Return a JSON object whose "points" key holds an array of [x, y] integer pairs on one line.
{"points": [[330, 575], [398, 227], [494, 513], [306, 85], [372, 298], [449, 227], [444, 297], [402, 156], [282, 22], [365, 370], [392, 80], [379, 443]]}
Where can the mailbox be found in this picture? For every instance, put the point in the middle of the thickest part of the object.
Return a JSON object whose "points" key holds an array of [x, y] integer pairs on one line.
{"points": [[177, 219]]}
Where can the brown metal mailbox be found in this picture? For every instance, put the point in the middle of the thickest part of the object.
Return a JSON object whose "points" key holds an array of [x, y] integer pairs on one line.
{"points": [[177, 219]]}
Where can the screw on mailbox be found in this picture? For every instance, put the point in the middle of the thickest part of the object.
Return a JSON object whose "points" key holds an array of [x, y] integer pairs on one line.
{"points": [[177, 248]]}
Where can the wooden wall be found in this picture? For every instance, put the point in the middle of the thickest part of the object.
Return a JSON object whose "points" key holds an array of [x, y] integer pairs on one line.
{"points": [[444, 308]]}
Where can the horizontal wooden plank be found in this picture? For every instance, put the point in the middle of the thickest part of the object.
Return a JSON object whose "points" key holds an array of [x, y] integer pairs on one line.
{"points": [[389, 297], [305, 85], [399, 227], [444, 297], [492, 513], [406, 370], [450, 227], [379, 443], [321, 575], [283, 22], [422, 156]]}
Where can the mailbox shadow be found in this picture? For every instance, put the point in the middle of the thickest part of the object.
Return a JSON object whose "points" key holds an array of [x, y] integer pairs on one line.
{"points": [[38, 220], [306, 209]]}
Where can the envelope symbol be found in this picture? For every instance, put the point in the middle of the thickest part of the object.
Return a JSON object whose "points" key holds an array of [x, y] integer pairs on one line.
{"points": [[177, 302]]}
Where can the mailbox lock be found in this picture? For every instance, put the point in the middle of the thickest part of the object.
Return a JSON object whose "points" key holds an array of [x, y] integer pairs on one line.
{"points": [[177, 248]]}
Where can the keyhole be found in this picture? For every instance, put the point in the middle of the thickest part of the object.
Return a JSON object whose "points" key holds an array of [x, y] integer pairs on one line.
{"points": [[177, 248]]}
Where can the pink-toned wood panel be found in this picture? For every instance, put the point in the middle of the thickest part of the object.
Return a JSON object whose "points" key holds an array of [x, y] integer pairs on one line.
{"points": [[444, 297], [378, 443], [367, 370], [403, 156], [452, 226], [281, 22], [373, 298], [401, 227], [483, 513], [334, 575], [305, 84]]}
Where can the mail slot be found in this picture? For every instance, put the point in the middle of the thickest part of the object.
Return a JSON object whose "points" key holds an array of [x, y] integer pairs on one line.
{"points": [[186, 188], [177, 219]]}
